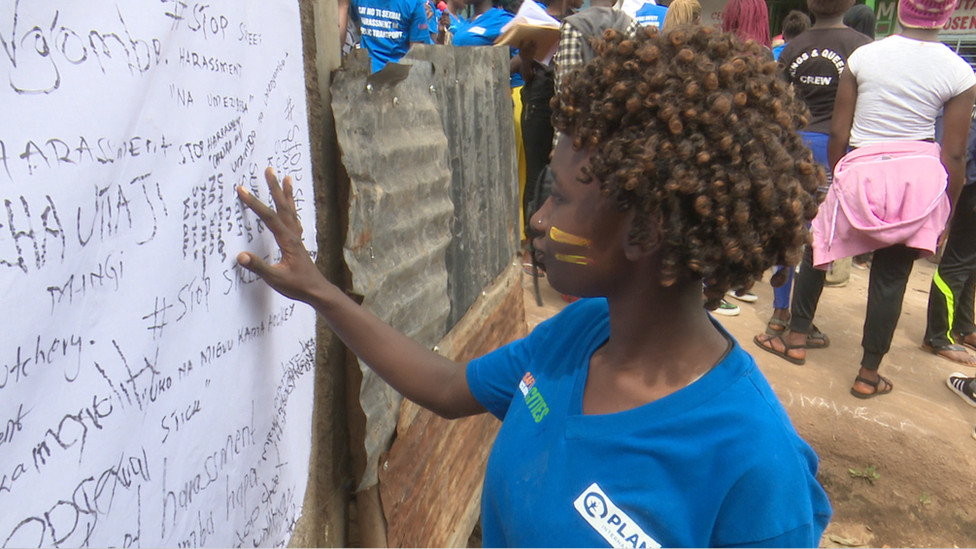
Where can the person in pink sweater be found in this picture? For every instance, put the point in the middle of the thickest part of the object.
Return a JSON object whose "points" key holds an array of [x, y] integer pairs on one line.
{"points": [[894, 191]]}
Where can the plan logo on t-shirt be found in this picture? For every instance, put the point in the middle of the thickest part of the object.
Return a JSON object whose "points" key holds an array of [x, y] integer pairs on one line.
{"points": [[610, 522], [533, 398]]}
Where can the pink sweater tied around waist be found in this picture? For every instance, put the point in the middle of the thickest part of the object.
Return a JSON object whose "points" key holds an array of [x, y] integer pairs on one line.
{"points": [[883, 194]]}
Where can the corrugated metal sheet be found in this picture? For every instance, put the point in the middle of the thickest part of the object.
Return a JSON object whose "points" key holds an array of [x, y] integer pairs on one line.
{"points": [[433, 214], [395, 151], [473, 91]]}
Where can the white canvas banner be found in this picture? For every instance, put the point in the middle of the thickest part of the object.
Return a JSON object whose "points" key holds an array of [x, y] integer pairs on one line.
{"points": [[152, 393]]}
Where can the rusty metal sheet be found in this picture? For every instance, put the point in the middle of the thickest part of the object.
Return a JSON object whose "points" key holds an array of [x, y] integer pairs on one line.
{"points": [[395, 152], [472, 86], [429, 146]]}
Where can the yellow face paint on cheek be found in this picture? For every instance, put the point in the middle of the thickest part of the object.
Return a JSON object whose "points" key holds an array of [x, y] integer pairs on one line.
{"points": [[576, 259], [565, 238]]}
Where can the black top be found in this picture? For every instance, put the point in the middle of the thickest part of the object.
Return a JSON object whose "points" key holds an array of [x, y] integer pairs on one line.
{"points": [[813, 63]]}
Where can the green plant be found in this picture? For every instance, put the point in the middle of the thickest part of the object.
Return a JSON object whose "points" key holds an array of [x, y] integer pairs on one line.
{"points": [[924, 500], [869, 474]]}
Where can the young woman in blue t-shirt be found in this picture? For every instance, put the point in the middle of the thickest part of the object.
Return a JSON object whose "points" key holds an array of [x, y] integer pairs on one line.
{"points": [[631, 418]]}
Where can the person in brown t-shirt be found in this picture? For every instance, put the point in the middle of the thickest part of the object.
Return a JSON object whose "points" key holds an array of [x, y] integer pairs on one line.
{"points": [[813, 63]]}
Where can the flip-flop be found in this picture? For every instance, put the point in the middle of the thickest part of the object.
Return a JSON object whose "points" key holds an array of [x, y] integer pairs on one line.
{"points": [[815, 333], [782, 354], [776, 326], [888, 387], [937, 351]]}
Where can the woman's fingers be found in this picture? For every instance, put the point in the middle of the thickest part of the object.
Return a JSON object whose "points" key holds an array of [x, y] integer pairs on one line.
{"points": [[253, 263], [284, 215], [265, 213], [295, 272], [277, 196], [283, 197], [289, 191], [268, 216]]}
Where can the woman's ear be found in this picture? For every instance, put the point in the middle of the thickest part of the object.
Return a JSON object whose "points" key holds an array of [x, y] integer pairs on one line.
{"points": [[635, 251]]}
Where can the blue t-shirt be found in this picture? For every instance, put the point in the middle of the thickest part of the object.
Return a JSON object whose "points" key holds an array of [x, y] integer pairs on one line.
{"points": [[715, 463], [651, 15], [483, 30], [778, 50], [389, 26], [435, 18]]}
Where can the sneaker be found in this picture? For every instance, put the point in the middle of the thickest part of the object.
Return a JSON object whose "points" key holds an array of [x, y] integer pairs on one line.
{"points": [[959, 384], [747, 297], [727, 309]]}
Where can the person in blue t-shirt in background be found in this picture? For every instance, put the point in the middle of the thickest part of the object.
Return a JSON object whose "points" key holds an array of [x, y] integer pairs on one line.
{"points": [[631, 418], [443, 23], [651, 15], [647, 13], [387, 27], [484, 27]]}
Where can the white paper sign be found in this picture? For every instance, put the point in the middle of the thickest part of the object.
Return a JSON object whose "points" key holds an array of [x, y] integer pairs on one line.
{"points": [[152, 393]]}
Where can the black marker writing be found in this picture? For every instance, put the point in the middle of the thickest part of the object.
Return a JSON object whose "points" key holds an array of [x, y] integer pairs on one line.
{"points": [[178, 418], [196, 18], [27, 246], [105, 276], [35, 66], [13, 426], [112, 207], [74, 518]]}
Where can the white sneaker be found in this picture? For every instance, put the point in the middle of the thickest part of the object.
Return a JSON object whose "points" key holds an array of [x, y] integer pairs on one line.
{"points": [[747, 297], [727, 309]]}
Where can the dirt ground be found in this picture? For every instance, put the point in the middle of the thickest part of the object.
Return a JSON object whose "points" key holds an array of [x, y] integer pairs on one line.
{"points": [[917, 441]]}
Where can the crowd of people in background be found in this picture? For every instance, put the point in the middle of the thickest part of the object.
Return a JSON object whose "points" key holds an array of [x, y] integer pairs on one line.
{"points": [[860, 110]]}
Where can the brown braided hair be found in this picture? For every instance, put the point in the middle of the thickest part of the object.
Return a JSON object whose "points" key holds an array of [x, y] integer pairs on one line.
{"points": [[696, 133]]}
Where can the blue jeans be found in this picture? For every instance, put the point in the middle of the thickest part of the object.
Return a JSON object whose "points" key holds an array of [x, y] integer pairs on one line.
{"points": [[818, 144]]}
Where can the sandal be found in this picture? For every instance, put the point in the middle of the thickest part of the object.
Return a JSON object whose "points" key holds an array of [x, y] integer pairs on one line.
{"points": [[533, 270], [886, 390], [815, 333], [937, 351], [961, 338], [776, 326], [782, 354]]}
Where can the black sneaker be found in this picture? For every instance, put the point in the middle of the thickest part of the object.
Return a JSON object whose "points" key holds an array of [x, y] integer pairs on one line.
{"points": [[959, 384]]}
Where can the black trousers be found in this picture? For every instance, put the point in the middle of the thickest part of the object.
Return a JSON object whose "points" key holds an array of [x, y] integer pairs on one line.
{"points": [[886, 290], [951, 296], [537, 135], [807, 286]]}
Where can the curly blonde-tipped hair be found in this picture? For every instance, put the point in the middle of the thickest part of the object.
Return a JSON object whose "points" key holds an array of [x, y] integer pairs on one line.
{"points": [[693, 131]]}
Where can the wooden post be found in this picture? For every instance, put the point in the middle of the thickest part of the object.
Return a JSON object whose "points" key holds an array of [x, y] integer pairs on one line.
{"points": [[325, 509]]}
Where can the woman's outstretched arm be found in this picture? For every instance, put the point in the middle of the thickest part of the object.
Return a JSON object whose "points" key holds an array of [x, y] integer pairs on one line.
{"points": [[419, 374]]}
